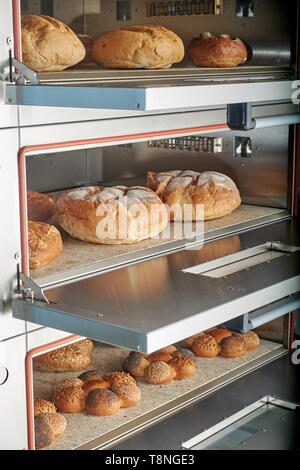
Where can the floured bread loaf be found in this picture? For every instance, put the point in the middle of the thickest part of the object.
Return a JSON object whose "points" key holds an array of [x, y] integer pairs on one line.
{"points": [[111, 215], [48, 45], [138, 47], [44, 243], [183, 191], [211, 51]]}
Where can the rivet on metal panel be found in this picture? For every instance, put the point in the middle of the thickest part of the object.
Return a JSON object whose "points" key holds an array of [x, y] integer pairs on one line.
{"points": [[17, 256], [9, 40], [139, 348]]}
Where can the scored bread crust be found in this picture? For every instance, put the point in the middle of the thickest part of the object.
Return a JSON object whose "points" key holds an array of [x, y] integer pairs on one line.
{"points": [[216, 192], [138, 46], [40, 207], [48, 45], [44, 243], [111, 215], [210, 51]]}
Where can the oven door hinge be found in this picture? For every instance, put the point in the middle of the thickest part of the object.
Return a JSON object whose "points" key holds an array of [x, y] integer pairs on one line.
{"points": [[30, 290], [21, 74], [239, 117]]}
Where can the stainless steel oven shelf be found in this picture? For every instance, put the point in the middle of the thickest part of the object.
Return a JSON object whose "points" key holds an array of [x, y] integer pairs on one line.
{"points": [[155, 303]]}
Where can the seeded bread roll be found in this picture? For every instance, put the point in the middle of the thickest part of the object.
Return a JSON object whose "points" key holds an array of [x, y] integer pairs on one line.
{"points": [[43, 406], [232, 346], [129, 394], [219, 333], [138, 47], [43, 433], [250, 338], [86, 345], [95, 373], [119, 377], [205, 346], [56, 421], [184, 366], [159, 372], [40, 207], [70, 382], [67, 358], [191, 195], [44, 243], [187, 342], [210, 51], [102, 402], [135, 364], [70, 399]]}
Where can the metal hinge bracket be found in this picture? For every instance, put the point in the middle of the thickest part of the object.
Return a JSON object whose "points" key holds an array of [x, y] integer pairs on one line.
{"points": [[31, 291], [21, 75]]}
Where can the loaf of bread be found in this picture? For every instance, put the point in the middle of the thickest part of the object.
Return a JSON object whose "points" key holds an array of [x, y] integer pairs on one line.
{"points": [[48, 45], [210, 51], [111, 215], [186, 191], [40, 207], [44, 243], [66, 358], [138, 47], [88, 43]]}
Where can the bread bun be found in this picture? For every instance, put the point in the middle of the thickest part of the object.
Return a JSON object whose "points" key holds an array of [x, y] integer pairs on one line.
{"points": [[187, 342], [56, 421], [102, 402], [43, 433], [44, 243], [232, 346], [135, 364], [190, 189], [43, 406], [205, 346], [119, 378], [48, 45], [138, 47], [70, 399], [250, 338], [85, 345], [63, 359], [185, 352], [184, 366], [159, 372], [40, 207], [219, 333], [111, 215], [95, 373], [164, 354], [69, 382], [211, 51], [129, 394], [94, 382], [88, 43]]}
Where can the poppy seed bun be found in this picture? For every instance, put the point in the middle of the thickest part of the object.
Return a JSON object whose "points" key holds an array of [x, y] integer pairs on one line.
{"points": [[210, 51], [205, 346], [232, 346], [138, 47], [102, 402]]}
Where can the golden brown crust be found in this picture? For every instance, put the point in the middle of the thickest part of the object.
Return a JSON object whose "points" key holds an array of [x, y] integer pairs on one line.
{"points": [[70, 382], [102, 402], [210, 51], [113, 215], [205, 346], [119, 377], [70, 399], [250, 338], [43, 406], [219, 333], [187, 342], [48, 44], [164, 354], [184, 366], [44, 243], [63, 359], [232, 346], [56, 421], [129, 394], [43, 433], [159, 372], [93, 382], [135, 364], [138, 46], [217, 193], [40, 207], [85, 345], [94, 373]]}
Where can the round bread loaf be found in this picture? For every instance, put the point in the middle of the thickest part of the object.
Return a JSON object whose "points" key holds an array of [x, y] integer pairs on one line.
{"points": [[44, 243], [219, 333], [205, 346], [70, 382], [187, 192], [88, 43], [135, 364], [184, 366], [129, 394], [70, 399], [56, 421], [48, 45], [250, 338], [187, 342], [43, 433], [119, 378], [85, 345], [210, 51], [63, 359], [232, 346], [94, 382], [164, 354], [159, 372], [95, 373], [40, 207], [111, 215], [43, 406], [102, 402], [138, 47]]}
